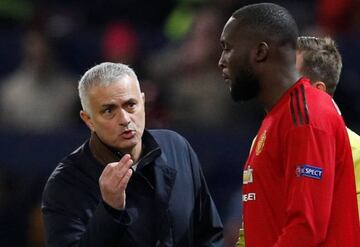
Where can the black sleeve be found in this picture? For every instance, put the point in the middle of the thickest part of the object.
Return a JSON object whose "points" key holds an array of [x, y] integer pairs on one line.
{"points": [[73, 218], [208, 225]]}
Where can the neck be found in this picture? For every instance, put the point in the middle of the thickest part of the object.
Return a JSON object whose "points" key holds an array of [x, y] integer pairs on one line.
{"points": [[136, 152], [275, 88], [105, 154], [101, 151]]}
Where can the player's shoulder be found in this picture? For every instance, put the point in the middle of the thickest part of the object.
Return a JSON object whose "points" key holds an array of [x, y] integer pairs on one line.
{"points": [[309, 105]]}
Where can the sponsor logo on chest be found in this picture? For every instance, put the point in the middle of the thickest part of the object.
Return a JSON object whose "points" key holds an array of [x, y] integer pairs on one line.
{"points": [[248, 178], [248, 175], [249, 197]]}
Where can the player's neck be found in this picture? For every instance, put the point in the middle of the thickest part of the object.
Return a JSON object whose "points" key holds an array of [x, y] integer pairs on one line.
{"points": [[276, 88]]}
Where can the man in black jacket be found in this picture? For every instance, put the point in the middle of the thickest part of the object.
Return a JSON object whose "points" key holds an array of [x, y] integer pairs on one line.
{"points": [[126, 185]]}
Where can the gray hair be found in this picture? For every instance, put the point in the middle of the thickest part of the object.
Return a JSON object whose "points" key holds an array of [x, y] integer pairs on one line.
{"points": [[101, 75]]}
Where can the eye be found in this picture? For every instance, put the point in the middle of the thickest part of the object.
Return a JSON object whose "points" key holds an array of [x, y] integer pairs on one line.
{"points": [[226, 48], [108, 112], [223, 45], [131, 106]]}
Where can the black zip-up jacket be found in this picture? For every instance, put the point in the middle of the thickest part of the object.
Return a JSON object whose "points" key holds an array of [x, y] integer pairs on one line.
{"points": [[167, 200]]}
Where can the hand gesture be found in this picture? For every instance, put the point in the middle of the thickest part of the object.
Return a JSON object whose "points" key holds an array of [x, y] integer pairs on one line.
{"points": [[113, 182]]}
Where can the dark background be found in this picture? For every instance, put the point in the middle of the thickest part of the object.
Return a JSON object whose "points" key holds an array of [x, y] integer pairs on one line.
{"points": [[173, 46]]}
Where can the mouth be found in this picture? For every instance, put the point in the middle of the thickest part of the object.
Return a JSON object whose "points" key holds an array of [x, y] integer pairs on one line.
{"points": [[225, 76], [128, 134]]}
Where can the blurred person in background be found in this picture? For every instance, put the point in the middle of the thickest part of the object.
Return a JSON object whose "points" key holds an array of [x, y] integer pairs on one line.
{"points": [[120, 44], [337, 17], [33, 97], [319, 60], [301, 159], [186, 72], [127, 185]]}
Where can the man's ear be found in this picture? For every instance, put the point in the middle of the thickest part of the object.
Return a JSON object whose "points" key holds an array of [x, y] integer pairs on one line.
{"points": [[87, 120], [143, 97], [262, 52], [320, 85]]}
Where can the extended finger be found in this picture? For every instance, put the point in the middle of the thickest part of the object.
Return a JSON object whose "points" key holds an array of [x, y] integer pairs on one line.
{"points": [[120, 169], [108, 170], [115, 171], [124, 165], [125, 180], [125, 161]]}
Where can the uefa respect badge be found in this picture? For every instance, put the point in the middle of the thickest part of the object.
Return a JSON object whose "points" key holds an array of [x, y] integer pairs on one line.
{"points": [[309, 171]]}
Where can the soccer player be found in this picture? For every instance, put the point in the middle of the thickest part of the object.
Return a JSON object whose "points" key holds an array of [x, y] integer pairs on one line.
{"points": [[299, 186], [319, 60]]}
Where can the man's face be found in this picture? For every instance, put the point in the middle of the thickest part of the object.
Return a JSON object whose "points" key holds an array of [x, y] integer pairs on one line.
{"points": [[118, 114], [235, 63]]}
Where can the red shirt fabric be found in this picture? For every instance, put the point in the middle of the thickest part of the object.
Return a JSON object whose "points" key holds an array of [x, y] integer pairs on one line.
{"points": [[299, 186]]}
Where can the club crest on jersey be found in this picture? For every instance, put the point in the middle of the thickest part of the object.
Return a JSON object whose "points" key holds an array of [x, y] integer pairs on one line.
{"points": [[309, 171], [260, 144], [248, 175]]}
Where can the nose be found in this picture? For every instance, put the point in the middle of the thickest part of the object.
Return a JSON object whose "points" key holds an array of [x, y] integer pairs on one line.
{"points": [[221, 63], [124, 118]]}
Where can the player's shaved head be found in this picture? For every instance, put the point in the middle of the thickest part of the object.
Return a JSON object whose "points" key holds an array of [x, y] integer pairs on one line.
{"points": [[269, 21]]}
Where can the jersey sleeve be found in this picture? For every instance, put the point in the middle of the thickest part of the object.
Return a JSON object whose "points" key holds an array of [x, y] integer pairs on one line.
{"points": [[309, 168]]}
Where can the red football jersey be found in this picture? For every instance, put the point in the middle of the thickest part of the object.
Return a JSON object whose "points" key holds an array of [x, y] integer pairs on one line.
{"points": [[299, 186]]}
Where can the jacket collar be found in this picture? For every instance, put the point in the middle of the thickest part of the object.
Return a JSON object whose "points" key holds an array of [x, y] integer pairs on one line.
{"points": [[164, 177], [105, 154]]}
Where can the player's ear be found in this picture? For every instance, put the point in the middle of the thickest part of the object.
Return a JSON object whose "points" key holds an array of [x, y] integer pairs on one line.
{"points": [[320, 85], [87, 120], [262, 52]]}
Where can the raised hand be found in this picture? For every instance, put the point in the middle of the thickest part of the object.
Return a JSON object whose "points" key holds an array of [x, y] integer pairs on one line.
{"points": [[113, 182]]}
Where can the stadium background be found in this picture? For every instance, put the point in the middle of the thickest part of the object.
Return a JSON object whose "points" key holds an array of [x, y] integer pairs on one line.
{"points": [[173, 46]]}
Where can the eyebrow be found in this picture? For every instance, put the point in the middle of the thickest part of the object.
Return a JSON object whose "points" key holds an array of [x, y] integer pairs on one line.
{"points": [[111, 105], [131, 100]]}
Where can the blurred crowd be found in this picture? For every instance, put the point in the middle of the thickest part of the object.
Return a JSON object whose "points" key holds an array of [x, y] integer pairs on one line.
{"points": [[174, 47]]}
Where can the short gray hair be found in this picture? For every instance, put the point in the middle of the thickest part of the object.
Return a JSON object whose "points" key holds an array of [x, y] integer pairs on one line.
{"points": [[101, 75]]}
